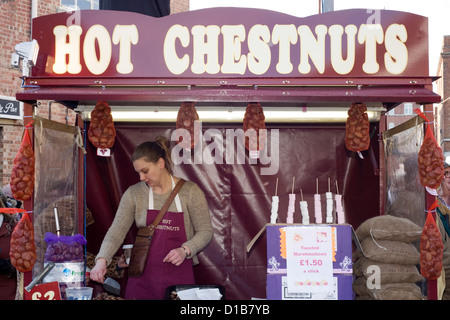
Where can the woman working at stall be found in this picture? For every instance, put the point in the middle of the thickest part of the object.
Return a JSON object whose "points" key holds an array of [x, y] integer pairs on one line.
{"points": [[187, 224]]}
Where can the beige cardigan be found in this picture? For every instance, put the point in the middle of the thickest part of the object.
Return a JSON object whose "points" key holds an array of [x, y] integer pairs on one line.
{"points": [[133, 207]]}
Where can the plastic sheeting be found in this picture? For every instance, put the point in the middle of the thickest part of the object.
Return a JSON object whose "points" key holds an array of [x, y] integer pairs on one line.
{"points": [[239, 196], [405, 196], [56, 151]]}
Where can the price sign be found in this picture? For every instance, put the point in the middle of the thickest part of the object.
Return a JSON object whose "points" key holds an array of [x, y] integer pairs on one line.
{"points": [[44, 291], [309, 259], [311, 262]]}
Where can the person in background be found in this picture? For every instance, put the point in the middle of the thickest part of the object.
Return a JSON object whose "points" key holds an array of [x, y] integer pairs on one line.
{"points": [[187, 225], [442, 221]]}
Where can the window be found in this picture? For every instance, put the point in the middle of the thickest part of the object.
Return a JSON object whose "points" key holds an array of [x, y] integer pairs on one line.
{"points": [[80, 4], [391, 125], [408, 108]]}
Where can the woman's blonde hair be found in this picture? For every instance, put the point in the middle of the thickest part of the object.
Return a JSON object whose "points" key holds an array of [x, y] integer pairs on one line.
{"points": [[152, 151]]}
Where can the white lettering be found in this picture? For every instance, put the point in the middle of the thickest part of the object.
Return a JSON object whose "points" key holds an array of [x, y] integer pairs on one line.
{"points": [[63, 48], [97, 33], [216, 151], [175, 64], [259, 55], [97, 37], [374, 279], [213, 152], [208, 49], [125, 36], [243, 52], [340, 65], [313, 48], [192, 310], [396, 56], [370, 34], [233, 61], [285, 35]]}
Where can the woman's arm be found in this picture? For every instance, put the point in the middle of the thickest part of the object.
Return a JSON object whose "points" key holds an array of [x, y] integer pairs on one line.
{"points": [[123, 220], [201, 221]]}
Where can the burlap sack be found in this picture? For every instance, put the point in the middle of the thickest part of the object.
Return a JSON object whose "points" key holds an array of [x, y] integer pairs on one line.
{"points": [[387, 227], [388, 291], [389, 272], [389, 251]]}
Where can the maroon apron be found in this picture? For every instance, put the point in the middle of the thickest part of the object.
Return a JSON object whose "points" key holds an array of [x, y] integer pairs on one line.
{"points": [[158, 275]]}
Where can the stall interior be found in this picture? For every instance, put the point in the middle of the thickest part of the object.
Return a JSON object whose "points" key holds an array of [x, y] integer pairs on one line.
{"points": [[239, 197], [305, 157]]}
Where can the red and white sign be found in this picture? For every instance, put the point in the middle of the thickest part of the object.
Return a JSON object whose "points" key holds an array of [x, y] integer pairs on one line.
{"points": [[44, 291], [231, 43]]}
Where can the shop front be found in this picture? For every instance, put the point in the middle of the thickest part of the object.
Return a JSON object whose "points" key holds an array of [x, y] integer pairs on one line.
{"points": [[305, 73]]}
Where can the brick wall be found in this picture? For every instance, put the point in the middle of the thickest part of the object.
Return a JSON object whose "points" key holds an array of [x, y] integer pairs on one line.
{"points": [[11, 141], [398, 115], [177, 6], [15, 27], [15, 17], [443, 89]]}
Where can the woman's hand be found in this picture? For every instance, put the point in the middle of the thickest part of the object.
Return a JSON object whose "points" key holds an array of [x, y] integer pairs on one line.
{"points": [[121, 263], [177, 256], [99, 270]]}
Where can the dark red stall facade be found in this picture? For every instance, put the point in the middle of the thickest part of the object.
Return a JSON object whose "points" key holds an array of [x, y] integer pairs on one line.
{"points": [[229, 57]]}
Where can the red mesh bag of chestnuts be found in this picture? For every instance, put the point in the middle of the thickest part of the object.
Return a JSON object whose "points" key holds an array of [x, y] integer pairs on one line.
{"points": [[357, 137], [430, 159], [22, 248], [186, 118], [431, 248], [22, 175], [254, 127], [102, 133]]}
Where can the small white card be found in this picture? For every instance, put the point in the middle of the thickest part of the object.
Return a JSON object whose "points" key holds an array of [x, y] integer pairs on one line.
{"points": [[254, 154], [103, 152]]}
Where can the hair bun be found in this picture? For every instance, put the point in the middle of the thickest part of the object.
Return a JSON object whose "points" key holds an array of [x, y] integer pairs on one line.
{"points": [[163, 142]]}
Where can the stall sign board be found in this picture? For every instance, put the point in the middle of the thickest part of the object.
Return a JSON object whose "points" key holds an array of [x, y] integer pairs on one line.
{"points": [[223, 43], [10, 108]]}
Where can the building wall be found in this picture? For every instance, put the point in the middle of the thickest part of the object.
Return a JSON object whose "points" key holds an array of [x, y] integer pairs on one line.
{"points": [[177, 6], [442, 111], [403, 112], [15, 27]]}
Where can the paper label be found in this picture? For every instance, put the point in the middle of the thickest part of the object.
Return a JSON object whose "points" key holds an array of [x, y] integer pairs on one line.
{"points": [[72, 272], [309, 259], [254, 154], [104, 152]]}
